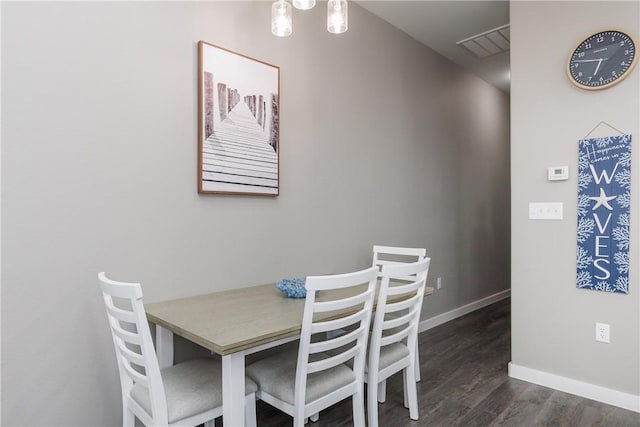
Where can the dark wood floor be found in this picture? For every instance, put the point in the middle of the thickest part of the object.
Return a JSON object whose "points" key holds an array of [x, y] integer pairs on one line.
{"points": [[465, 383]]}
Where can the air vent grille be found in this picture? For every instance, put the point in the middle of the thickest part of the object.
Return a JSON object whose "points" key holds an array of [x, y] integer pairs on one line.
{"points": [[489, 43]]}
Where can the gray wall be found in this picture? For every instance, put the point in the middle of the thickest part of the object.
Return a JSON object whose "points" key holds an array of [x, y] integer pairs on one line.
{"points": [[553, 322], [383, 141]]}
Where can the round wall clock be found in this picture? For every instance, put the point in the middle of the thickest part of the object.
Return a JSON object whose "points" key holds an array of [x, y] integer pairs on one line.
{"points": [[602, 60]]}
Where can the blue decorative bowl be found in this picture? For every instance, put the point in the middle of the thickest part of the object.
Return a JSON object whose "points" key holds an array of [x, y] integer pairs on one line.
{"points": [[292, 288]]}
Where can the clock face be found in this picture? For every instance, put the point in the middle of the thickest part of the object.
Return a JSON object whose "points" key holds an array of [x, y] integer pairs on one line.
{"points": [[602, 60]]}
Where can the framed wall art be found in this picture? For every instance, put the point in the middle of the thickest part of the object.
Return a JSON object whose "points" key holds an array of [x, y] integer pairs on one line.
{"points": [[238, 123]]}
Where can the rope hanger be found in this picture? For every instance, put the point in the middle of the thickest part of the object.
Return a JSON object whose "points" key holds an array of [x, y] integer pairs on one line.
{"points": [[602, 122]]}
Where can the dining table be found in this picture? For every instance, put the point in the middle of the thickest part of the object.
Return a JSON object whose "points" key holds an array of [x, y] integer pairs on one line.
{"points": [[232, 323]]}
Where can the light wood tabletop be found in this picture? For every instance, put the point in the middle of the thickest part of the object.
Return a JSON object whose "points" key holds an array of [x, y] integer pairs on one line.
{"points": [[234, 320]]}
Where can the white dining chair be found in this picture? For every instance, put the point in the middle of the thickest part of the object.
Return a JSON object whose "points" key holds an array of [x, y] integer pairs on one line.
{"points": [[186, 394], [394, 255], [395, 333], [305, 382]]}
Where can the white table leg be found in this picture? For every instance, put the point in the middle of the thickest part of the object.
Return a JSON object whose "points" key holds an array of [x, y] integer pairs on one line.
{"points": [[233, 390], [164, 347]]}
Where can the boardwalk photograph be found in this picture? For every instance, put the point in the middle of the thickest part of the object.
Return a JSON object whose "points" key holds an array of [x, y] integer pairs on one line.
{"points": [[238, 110]]}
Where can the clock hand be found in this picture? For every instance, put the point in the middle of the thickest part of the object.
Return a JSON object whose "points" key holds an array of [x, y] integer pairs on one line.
{"points": [[587, 60], [598, 67]]}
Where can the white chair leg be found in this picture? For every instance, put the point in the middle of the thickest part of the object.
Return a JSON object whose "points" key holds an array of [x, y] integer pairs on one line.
{"points": [[417, 363], [299, 420], [249, 411], [128, 418], [315, 417], [358, 407], [410, 392], [382, 391], [373, 396], [404, 386]]}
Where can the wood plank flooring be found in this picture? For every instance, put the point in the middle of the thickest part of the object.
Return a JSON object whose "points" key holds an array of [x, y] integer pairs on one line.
{"points": [[465, 383]]}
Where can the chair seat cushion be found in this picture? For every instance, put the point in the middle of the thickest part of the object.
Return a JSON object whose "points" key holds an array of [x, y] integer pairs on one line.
{"points": [[276, 376], [191, 388], [391, 353]]}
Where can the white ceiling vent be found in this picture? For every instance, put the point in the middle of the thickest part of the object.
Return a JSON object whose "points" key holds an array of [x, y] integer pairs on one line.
{"points": [[488, 43]]}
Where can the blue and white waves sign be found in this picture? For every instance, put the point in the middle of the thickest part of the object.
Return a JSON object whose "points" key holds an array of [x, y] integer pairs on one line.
{"points": [[604, 198]]}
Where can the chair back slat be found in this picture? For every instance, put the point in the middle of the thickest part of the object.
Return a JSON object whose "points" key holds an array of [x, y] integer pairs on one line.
{"points": [[339, 323], [382, 262], [121, 315], [354, 310], [338, 281], [404, 288], [404, 304], [116, 289], [324, 364], [135, 353], [130, 355], [135, 376], [404, 269], [126, 336], [397, 322], [337, 342], [394, 338], [340, 304], [395, 250]]}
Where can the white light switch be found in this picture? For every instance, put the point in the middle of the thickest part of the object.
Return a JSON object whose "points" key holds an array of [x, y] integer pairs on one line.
{"points": [[548, 210]]}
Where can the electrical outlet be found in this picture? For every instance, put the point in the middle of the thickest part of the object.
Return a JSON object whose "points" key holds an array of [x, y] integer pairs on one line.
{"points": [[602, 332], [439, 283]]}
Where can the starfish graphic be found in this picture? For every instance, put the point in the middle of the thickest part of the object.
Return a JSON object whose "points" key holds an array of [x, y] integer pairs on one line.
{"points": [[602, 200]]}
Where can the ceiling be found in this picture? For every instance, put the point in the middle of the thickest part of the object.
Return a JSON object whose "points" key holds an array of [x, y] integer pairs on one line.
{"points": [[440, 24]]}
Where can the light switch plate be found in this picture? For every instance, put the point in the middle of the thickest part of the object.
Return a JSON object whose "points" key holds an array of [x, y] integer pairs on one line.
{"points": [[545, 210]]}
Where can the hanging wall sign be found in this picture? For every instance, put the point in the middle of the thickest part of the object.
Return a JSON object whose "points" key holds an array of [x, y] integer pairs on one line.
{"points": [[604, 198]]}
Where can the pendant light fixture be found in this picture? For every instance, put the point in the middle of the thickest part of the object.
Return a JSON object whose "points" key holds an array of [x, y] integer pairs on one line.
{"points": [[304, 4], [281, 16], [281, 22], [337, 16]]}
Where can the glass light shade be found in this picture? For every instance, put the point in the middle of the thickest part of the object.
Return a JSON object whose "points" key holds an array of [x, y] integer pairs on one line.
{"points": [[304, 4], [337, 16], [281, 22]]}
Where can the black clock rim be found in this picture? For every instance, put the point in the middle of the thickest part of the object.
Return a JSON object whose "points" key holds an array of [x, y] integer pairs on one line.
{"points": [[623, 76]]}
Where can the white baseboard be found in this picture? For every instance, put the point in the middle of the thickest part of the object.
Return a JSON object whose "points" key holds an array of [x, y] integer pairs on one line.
{"points": [[434, 321], [579, 388]]}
